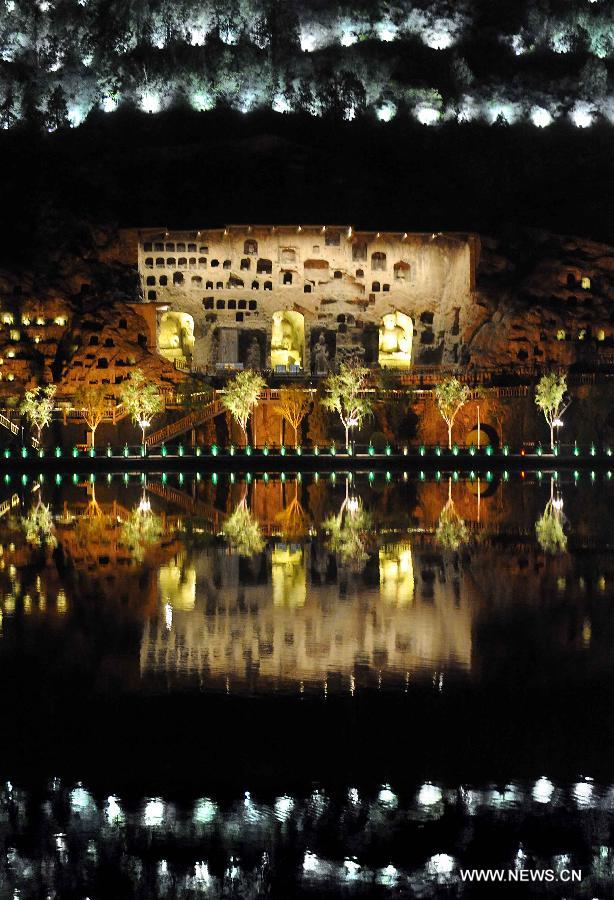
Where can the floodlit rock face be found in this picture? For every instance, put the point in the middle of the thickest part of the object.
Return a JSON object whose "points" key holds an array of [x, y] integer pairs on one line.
{"points": [[542, 299], [304, 298], [71, 319]]}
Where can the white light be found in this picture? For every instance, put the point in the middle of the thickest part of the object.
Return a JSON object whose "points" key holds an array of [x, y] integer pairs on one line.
{"points": [[281, 105], [10, 5], [80, 799], [440, 864], [582, 793], [44, 5], [113, 811], [543, 790], [386, 111], [168, 616], [109, 104], [197, 36], [201, 873], [518, 45], [437, 40], [353, 796], [205, 811], [311, 862], [348, 38], [541, 117], [428, 116], [387, 797], [582, 115], [154, 813], [386, 32], [558, 423], [429, 794], [283, 807], [150, 102], [76, 115], [353, 505], [351, 866], [201, 101], [307, 43]]}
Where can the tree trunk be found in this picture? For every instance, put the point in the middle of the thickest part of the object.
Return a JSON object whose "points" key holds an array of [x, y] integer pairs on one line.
{"points": [[552, 437], [449, 435], [143, 430], [94, 437], [347, 438]]}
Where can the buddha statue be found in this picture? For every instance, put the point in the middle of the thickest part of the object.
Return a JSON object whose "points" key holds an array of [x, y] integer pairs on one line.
{"points": [[285, 342], [395, 339]]}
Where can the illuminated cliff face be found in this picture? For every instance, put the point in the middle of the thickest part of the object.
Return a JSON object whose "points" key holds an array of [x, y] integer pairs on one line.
{"points": [[302, 298]]}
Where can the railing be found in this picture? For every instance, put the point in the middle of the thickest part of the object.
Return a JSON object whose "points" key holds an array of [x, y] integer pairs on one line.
{"points": [[6, 423], [8, 505], [185, 424]]}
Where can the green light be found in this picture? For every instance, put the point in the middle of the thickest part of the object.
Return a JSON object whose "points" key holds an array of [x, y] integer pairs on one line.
{"points": [[422, 450], [371, 450], [299, 477], [232, 450], [333, 450], [7, 479], [506, 475], [489, 450], [164, 477], [438, 450], [299, 450], [489, 476], [92, 478], [437, 475], [109, 478], [576, 474], [472, 475], [371, 476], [214, 450], [126, 476], [608, 452], [316, 450], [181, 478], [283, 476], [163, 450], [388, 476], [248, 450], [24, 479], [180, 450], [593, 450], [388, 450], [75, 478], [198, 477], [333, 477], [282, 450], [248, 478], [472, 450], [576, 451], [75, 452], [455, 450], [198, 451], [609, 473], [214, 478], [266, 477], [7, 453], [539, 450], [349, 450], [126, 451], [422, 475], [316, 477], [506, 450], [265, 450], [455, 476], [232, 477], [109, 450], [142, 477], [592, 476], [58, 478], [24, 452], [143, 450]]}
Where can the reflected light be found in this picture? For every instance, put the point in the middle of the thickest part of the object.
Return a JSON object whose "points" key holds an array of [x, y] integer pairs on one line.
{"points": [[543, 790]]}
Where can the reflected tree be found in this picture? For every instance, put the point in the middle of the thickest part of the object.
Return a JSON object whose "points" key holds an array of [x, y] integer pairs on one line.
{"points": [[242, 531], [451, 530], [38, 526], [142, 529], [293, 519], [549, 527], [349, 532]]}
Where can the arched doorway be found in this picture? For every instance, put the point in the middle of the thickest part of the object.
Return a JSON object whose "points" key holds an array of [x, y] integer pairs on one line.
{"points": [[396, 332], [288, 339], [176, 336], [488, 435]]}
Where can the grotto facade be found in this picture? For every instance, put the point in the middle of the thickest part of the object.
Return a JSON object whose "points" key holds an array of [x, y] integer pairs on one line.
{"points": [[301, 299]]}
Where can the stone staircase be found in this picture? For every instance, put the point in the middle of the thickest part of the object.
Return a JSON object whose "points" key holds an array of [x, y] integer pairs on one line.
{"points": [[208, 411]]}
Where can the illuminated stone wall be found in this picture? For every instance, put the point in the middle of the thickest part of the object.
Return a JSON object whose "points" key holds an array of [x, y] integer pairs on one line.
{"points": [[301, 298]]}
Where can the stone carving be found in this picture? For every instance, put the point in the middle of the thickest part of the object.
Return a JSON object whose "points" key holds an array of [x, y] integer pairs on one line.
{"points": [[252, 357], [320, 356], [176, 335], [395, 340], [287, 338]]}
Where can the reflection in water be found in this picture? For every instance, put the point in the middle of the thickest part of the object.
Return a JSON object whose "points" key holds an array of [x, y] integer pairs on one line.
{"points": [[378, 842], [321, 583], [549, 527]]}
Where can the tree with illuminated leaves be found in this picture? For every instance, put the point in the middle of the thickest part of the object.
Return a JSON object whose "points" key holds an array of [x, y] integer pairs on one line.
{"points": [[350, 533], [550, 398], [294, 404], [345, 395], [37, 406], [141, 399], [240, 396], [450, 397], [242, 531], [90, 399]]}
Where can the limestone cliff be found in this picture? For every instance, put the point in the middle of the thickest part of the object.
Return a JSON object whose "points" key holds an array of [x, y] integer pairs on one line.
{"points": [[542, 299]]}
